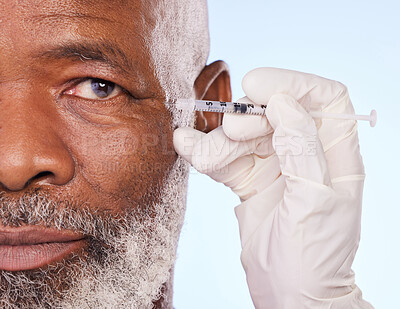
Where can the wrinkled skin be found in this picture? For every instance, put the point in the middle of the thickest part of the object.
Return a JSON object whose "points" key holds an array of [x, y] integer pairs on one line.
{"points": [[102, 153], [63, 142], [107, 154]]}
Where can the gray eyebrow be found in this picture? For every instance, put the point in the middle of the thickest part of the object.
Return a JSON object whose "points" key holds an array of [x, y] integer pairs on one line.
{"points": [[105, 52]]}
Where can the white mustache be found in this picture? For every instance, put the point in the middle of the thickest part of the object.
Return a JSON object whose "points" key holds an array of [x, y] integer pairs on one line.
{"points": [[40, 209]]}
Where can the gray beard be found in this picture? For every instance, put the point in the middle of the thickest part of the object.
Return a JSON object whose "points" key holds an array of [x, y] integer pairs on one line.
{"points": [[125, 265]]}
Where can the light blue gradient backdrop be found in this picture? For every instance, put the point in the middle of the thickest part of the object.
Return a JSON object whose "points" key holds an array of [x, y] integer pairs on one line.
{"points": [[355, 42]]}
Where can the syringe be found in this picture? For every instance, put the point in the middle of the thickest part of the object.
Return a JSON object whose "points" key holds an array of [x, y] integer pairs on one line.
{"points": [[251, 109]]}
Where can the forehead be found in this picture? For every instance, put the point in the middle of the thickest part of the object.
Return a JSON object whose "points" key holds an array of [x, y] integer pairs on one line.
{"points": [[30, 26], [47, 20]]}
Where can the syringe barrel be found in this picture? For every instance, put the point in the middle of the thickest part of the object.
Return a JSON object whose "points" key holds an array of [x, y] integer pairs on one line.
{"points": [[221, 107]]}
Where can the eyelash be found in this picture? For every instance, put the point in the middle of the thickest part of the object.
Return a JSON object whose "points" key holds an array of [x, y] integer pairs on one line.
{"points": [[71, 91]]}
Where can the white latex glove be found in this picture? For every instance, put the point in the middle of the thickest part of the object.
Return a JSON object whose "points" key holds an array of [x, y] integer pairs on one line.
{"points": [[301, 189]]}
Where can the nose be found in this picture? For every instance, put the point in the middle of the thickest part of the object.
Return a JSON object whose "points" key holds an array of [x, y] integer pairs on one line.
{"points": [[31, 151]]}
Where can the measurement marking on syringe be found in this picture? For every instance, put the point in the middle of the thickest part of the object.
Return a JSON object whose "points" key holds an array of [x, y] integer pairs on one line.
{"points": [[252, 109]]}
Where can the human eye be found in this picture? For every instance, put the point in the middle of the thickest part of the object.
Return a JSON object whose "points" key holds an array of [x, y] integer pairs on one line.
{"points": [[94, 89]]}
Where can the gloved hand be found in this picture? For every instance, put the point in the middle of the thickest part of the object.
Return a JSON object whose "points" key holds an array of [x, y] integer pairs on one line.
{"points": [[300, 182]]}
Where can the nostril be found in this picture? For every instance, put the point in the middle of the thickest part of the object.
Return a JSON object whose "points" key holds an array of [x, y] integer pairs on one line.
{"points": [[43, 174], [39, 176]]}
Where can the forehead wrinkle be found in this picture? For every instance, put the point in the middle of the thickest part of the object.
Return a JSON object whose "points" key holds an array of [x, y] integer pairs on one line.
{"points": [[102, 51], [72, 15]]}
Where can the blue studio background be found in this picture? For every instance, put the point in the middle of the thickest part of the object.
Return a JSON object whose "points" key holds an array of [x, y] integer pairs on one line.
{"points": [[354, 42]]}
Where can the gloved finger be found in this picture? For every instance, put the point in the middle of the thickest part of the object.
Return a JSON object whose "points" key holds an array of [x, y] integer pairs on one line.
{"points": [[344, 158], [261, 174], [322, 94], [214, 150], [295, 140], [219, 157], [262, 83], [184, 140], [244, 127]]}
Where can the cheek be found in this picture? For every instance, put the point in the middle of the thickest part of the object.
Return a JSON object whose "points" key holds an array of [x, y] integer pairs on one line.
{"points": [[125, 164]]}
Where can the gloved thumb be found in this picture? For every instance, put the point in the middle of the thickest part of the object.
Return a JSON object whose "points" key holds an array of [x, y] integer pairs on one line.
{"points": [[184, 140]]}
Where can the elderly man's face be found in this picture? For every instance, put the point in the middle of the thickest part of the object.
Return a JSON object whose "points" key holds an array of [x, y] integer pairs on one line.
{"points": [[80, 103], [86, 156]]}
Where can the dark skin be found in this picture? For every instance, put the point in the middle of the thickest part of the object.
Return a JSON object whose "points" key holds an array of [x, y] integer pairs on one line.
{"points": [[53, 138]]}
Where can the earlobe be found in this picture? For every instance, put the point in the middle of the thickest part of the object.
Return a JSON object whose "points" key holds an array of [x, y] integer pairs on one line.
{"points": [[213, 84]]}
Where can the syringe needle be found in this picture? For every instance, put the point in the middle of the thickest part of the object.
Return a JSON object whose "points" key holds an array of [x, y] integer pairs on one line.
{"points": [[371, 117]]}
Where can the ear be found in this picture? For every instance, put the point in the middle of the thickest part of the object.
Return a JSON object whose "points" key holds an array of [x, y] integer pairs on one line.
{"points": [[212, 84]]}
